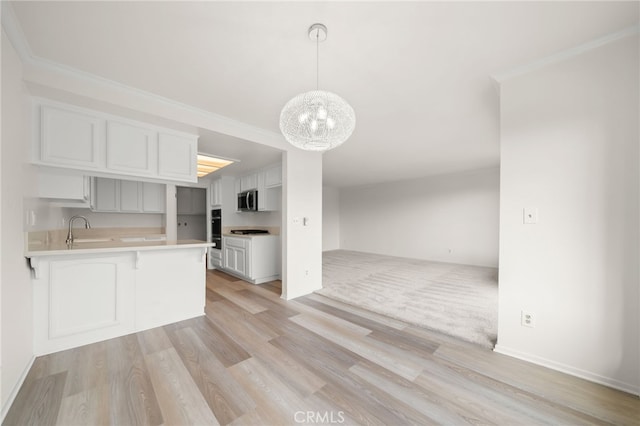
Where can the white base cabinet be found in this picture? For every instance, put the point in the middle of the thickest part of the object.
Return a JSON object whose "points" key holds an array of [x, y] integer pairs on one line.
{"points": [[85, 298], [235, 255], [254, 259], [215, 258]]}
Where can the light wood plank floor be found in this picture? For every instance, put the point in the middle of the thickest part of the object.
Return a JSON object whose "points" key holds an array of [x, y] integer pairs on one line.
{"points": [[255, 359]]}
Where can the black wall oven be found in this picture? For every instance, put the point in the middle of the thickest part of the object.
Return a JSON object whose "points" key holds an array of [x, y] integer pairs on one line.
{"points": [[216, 228]]}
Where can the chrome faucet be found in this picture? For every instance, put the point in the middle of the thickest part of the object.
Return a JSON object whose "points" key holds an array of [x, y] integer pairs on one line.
{"points": [[87, 225]]}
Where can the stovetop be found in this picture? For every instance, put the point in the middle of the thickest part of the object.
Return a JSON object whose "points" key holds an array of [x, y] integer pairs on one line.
{"points": [[249, 231]]}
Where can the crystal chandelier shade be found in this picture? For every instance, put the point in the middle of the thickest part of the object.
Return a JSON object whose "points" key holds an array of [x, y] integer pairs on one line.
{"points": [[317, 120]]}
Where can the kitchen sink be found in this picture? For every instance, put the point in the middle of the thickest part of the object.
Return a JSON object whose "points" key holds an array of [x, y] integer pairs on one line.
{"points": [[139, 239], [91, 240]]}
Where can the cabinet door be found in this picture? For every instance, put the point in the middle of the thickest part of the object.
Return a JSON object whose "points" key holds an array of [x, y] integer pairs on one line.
{"points": [[249, 182], [241, 261], [177, 157], [262, 193], [215, 258], [273, 176], [62, 186], [71, 138], [106, 195], [132, 149], [236, 190], [130, 196], [216, 192], [230, 258], [83, 299], [153, 197]]}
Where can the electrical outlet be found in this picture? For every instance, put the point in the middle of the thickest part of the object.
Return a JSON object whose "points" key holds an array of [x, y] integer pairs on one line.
{"points": [[530, 215], [527, 319]]}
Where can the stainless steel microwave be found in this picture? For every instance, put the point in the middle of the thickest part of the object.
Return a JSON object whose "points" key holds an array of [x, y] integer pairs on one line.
{"points": [[248, 201]]}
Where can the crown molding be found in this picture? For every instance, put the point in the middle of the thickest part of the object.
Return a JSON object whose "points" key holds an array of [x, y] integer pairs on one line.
{"points": [[13, 30], [225, 125], [500, 77]]}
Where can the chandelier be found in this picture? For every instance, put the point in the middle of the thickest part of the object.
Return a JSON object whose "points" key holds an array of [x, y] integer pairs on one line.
{"points": [[317, 120]]}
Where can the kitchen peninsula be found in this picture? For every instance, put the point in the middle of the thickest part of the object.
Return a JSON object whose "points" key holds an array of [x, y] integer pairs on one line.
{"points": [[100, 288]]}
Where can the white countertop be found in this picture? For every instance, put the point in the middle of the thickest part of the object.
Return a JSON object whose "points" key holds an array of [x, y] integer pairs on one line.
{"points": [[109, 246]]}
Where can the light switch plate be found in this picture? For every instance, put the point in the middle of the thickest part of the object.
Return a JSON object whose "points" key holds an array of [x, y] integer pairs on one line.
{"points": [[530, 215]]}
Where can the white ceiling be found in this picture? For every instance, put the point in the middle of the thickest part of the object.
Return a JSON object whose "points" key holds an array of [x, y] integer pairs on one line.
{"points": [[418, 74]]}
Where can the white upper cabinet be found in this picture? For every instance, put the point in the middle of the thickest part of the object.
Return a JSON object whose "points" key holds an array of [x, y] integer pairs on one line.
{"points": [[131, 148], [106, 195], [177, 156], [262, 192], [86, 140], [268, 182], [273, 176], [67, 188], [216, 192], [71, 138], [249, 182], [153, 197], [130, 196], [126, 196]]}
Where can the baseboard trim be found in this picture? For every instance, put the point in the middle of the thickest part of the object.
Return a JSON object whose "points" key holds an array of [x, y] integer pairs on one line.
{"points": [[563, 368], [16, 389]]}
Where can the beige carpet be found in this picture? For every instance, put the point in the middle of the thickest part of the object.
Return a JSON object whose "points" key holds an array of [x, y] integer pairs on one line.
{"points": [[458, 300]]}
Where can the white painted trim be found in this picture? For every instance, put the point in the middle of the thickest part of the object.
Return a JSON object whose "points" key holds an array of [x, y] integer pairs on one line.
{"points": [[13, 30], [16, 389], [573, 371], [565, 54]]}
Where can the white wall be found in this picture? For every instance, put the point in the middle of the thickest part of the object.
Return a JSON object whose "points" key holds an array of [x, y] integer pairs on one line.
{"points": [[302, 189], [330, 218], [569, 147], [17, 308], [46, 215], [448, 218]]}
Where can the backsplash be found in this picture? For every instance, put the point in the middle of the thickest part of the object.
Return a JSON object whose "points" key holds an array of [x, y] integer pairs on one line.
{"points": [[60, 235], [118, 220]]}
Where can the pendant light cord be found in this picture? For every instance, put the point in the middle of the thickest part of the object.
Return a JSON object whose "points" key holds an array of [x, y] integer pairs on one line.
{"points": [[317, 59]]}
